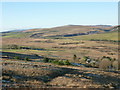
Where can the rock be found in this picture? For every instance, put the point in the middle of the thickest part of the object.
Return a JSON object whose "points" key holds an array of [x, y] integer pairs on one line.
{"points": [[79, 75], [84, 86]]}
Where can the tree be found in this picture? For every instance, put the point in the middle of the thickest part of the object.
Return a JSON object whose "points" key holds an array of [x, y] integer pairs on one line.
{"points": [[74, 58]]}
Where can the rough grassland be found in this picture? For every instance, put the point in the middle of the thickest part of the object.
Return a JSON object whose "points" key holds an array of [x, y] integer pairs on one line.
{"points": [[35, 73], [38, 74]]}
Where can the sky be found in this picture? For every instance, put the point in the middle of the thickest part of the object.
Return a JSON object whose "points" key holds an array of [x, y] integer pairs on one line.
{"points": [[25, 15]]}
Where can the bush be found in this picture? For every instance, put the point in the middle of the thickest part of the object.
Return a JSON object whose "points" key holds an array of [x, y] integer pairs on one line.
{"points": [[26, 58], [94, 64], [108, 58], [105, 64], [50, 60], [66, 62], [36, 55], [85, 58], [82, 61], [13, 46], [61, 62], [46, 60], [55, 61], [58, 62], [17, 57]]}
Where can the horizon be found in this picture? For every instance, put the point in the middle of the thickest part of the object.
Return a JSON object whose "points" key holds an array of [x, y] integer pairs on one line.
{"points": [[53, 27], [27, 15]]}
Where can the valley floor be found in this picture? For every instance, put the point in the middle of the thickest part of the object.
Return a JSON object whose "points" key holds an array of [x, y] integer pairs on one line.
{"points": [[23, 54], [19, 73]]}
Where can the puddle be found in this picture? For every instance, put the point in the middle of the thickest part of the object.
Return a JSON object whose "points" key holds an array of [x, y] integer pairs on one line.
{"points": [[5, 81], [93, 75], [77, 64], [18, 77], [37, 49]]}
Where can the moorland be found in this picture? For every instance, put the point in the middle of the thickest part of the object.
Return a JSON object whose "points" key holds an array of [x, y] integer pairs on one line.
{"points": [[65, 56]]}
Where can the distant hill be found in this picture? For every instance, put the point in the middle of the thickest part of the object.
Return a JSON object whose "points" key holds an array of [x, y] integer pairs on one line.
{"points": [[13, 30], [61, 31], [69, 30]]}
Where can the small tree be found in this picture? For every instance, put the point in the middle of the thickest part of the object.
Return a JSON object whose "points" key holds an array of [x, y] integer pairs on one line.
{"points": [[74, 58]]}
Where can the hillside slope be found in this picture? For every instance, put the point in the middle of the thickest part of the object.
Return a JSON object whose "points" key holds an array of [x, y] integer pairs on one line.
{"points": [[62, 31]]}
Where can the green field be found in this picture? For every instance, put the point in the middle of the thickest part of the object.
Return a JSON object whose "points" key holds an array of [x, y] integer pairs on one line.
{"points": [[102, 36]]}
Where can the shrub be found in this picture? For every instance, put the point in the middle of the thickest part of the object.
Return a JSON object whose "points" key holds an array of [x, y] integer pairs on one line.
{"points": [[115, 65], [36, 55], [94, 64], [16, 57], [105, 57], [83, 59], [50, 60], [56, 62], [26, 58], [105, 64], [13, 46], [59, 62], [46, 60], [66, 62]]}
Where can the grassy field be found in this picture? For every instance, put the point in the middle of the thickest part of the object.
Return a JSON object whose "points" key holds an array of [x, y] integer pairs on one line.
{"points": [[16, 35], [103, 36]]}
